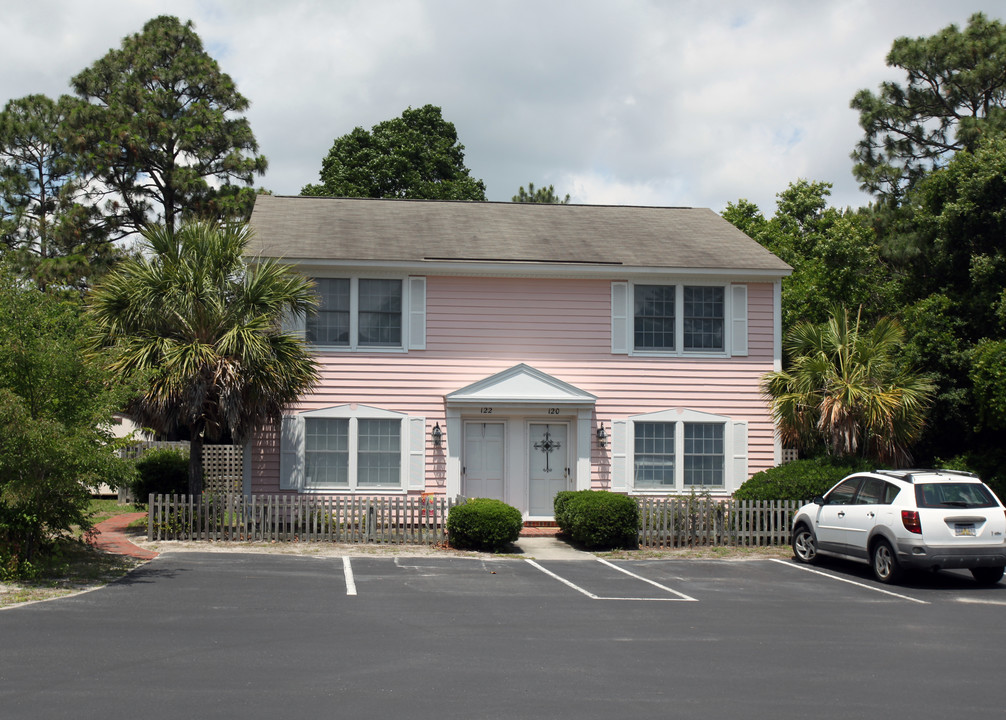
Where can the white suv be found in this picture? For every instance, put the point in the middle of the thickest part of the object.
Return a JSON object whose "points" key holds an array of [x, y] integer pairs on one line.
{"points": [[898, 519]]}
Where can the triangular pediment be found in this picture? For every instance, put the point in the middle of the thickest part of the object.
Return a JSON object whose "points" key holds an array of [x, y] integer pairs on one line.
{"points": [[521, 384]]}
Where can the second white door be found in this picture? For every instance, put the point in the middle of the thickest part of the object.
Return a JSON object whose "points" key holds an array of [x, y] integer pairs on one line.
{"points": [[548, 466]]}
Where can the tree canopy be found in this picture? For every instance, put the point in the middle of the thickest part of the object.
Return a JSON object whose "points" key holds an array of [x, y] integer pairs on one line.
{"points": [[202, 328], [847, 389], [544, 195], [834, 254], [416, 156], [56, 405], [954, 94], [158, 125], [51, 232]]}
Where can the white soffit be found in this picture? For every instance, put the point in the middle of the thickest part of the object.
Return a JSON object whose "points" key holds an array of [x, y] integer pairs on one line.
{"points": [[521, 385]]}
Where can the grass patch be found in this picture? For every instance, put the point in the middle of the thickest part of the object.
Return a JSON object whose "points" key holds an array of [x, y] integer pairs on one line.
{"points": [[103, 508], [74, 565], [711, 552]]}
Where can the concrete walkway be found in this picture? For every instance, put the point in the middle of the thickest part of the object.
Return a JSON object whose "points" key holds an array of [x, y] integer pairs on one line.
{"points": [[111, 537], [539, 543], [549, 547]]}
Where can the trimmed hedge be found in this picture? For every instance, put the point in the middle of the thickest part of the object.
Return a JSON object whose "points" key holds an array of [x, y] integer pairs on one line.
{"points": [[484, 524], [799, 480], [598, 519], [161, 472]]}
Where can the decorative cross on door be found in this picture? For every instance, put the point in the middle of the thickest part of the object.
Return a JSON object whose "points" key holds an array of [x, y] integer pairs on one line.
{"points": [[547, 445]]}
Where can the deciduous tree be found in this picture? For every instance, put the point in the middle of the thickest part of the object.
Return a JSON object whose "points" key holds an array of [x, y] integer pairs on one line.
{"points": [[56, 404], [834, 256], [415, 156]]}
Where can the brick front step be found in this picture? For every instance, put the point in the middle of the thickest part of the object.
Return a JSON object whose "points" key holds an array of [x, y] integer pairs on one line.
{"points": [[539, 528]]}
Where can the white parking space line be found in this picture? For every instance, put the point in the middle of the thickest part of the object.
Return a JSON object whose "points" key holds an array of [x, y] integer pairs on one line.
{"points": [[592, 596], [851, 582], [647, 580], [980, 601], [347, 568]]}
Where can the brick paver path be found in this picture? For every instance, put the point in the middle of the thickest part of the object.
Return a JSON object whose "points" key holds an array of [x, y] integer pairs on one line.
{"points": [[111, 537]]}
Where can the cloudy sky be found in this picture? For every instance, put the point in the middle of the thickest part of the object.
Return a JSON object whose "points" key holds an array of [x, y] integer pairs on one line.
{"points": [[641, 102]]}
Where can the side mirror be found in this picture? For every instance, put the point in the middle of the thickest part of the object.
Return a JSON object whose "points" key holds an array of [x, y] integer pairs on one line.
{"points": [[818, 500]]}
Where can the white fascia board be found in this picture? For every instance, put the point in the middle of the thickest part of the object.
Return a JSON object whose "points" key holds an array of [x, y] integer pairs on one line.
{"points": [[523, 269]]}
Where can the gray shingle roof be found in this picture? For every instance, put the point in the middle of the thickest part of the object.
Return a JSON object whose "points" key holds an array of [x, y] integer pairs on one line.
{"points": [[359, 229]]}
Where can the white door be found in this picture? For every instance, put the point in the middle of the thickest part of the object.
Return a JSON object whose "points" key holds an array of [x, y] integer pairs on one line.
{"points": [[483, 461], [548, 466]]}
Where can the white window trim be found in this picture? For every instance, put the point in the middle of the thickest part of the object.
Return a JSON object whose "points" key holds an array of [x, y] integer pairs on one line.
{"points": [[734, 451], [623, 319], [412, 464], [413, 336]]}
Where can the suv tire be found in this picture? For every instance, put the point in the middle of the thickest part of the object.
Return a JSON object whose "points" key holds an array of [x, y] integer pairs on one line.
{"points": [[987, 575], [804, 545], [884, 562]]}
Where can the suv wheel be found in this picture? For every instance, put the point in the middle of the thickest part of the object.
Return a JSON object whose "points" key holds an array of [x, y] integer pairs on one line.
{"points": [[987, 575], [804, 545], [884, 562]]}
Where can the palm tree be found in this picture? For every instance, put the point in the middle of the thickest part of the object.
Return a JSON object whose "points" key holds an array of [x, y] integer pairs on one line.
{"points": [[203, 328], [846, 388]]}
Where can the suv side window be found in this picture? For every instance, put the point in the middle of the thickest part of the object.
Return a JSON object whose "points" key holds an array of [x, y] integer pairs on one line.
{"points": [[844, 492], [876, 492]]}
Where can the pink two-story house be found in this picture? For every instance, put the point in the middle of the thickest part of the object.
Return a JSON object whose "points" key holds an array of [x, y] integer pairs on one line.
{"points": [[514, 350]]}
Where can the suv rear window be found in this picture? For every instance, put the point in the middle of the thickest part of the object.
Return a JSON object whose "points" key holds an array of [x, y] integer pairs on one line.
{"points": [[953, 495]]}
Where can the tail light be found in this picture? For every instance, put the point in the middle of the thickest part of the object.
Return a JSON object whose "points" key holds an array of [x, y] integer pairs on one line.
{"points": [[911, 521]]}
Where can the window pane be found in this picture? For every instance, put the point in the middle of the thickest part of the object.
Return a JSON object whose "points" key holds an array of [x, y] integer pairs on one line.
{"points": [[379, 453], [330, 325], [843, 494], [703, 318], [326, 452], [703, 455], [381, 312], [654, 455], [654, 317]]}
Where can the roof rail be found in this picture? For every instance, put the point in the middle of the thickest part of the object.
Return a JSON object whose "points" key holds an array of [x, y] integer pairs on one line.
{"points": [[909, 475]]}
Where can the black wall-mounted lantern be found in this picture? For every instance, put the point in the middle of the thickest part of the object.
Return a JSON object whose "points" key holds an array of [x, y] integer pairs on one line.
{"points": [[602, 437], [438, 435]]}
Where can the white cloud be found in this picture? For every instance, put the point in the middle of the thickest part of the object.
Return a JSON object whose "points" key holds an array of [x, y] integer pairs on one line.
{"points": [[636, 102]]}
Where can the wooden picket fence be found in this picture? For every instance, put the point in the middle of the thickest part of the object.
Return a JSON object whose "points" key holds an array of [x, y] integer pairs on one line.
{"points": [[266, 518], [689, 521]]}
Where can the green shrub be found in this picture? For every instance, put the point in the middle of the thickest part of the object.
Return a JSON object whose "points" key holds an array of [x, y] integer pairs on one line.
{"points": [[161, 472], [600, 519], [799, 480], [484, 524], [561, 504]]}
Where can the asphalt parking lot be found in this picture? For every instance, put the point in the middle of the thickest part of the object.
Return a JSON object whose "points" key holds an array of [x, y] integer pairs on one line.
{"points": [[199, 635]]}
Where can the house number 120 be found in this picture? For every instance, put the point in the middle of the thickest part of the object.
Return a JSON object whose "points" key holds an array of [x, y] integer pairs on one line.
{"points": [[553, 411]]}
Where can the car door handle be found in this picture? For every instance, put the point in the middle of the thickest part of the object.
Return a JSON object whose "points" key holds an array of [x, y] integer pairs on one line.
{"points": [[841, 513], [870, 514]]}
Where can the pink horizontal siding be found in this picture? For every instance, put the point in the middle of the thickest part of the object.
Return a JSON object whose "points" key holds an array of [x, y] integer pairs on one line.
{"points": [[480, 326]]}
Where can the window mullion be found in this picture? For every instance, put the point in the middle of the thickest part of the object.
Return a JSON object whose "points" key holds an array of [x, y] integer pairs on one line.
{"points": [[679, 319], [354, 444], [679, 456], [354, 312]]}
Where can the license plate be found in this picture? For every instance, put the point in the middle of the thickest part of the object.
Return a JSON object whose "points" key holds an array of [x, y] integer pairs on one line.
{"points": [[964, 529]]}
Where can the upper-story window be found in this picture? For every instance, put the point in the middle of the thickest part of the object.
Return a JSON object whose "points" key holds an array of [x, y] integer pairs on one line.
{"points": [[657, 314], [704, 314], [357, 313], [679, 319]]}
